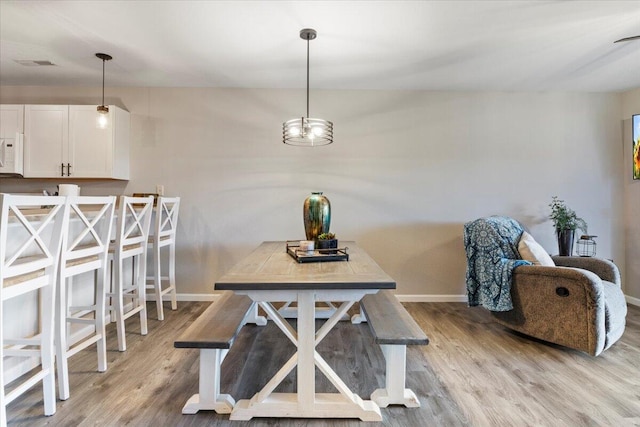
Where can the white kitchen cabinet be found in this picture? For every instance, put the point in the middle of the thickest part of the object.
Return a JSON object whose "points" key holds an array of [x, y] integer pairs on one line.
{"points": [[46, 136], [11, 132], [63, 141], [98, 153]]}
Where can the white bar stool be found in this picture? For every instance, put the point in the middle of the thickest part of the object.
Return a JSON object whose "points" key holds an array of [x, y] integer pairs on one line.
{"points": [[85, 245], [30, 266], [132, 234], [164, 236]]}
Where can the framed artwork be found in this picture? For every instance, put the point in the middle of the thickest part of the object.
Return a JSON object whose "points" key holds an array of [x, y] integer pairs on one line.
{"points": [[635, 132]]}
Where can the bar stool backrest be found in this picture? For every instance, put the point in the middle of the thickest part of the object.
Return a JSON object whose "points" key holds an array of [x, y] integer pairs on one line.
{"points": [[85, 243], [132, 230], [30, 264], [37, 223], [164, 236], [166, 221]]}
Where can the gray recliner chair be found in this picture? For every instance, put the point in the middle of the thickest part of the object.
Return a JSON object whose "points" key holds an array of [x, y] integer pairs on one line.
{"points": [[578, 303]]}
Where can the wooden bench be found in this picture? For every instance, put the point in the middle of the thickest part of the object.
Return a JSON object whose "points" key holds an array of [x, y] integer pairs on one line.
{"points": [[393, 329], [213, 334]]}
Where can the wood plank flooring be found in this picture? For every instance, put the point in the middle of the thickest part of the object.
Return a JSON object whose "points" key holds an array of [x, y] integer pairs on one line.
{"points": [[474, 373]]}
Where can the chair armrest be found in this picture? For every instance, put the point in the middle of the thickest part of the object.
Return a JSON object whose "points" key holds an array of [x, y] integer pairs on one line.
{"points": [[559, 276], [532, 278], [558, 304], [605, 269], [575, 280]]}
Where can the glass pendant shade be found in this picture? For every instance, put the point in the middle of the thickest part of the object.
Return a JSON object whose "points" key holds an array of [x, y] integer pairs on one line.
{"points": [[102, 119], [306, 131]]}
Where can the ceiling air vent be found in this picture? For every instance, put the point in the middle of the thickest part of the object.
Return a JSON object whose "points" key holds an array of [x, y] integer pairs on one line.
{"points": [[33, 62]]}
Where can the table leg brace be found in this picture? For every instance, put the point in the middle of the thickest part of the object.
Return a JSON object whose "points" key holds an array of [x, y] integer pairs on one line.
{"points": [[209, 397], [253, 316], [394, 392]]}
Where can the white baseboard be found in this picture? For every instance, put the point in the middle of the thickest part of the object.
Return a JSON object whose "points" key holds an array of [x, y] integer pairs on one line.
{"points": [[186, 297], [633, 301], [432, 298], [402, 298], [463, 298]]}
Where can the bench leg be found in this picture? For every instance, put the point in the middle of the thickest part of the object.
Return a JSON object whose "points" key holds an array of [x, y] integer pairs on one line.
{"points": [[394, 392], [209, 397]]}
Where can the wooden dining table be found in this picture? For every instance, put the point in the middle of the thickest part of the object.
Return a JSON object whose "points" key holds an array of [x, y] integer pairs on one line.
{"points": [[270, 275]]}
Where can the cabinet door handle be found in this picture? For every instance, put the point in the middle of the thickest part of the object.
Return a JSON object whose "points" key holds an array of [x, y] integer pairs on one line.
{"points": [[68, 169], [62, 166]]}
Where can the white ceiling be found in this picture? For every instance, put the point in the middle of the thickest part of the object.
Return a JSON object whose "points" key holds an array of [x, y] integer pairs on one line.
{"points": [[431, 45]]}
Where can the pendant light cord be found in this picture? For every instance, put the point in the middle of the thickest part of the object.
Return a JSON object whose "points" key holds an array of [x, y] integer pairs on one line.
{"points": [[307, 78], [103, 82]]}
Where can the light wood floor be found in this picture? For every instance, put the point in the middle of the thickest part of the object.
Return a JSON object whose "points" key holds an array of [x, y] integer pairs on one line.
{"points": [[474, 373]]}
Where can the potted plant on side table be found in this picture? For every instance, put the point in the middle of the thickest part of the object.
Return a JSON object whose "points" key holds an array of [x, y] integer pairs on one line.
{"points": [[327, 241], [565, 221]]}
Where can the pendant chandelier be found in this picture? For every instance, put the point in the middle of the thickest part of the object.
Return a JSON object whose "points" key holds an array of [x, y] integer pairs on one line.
{"points": [[103, 111], [306, 131]]}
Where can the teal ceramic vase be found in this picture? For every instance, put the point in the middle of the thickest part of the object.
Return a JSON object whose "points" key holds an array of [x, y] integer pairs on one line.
{"points": [[316, 214]]}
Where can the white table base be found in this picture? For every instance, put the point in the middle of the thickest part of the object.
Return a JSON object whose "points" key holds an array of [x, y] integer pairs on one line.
{"points": [[322, 312], [325, 405], [254, 318], [306, 403]]}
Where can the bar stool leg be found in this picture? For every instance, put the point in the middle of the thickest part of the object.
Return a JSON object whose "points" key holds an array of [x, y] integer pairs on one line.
{"points": [[61, 340], [47, 353], [141, 278], [111, 297], [119, 305], [101, 296], [157, 280], [172, 275]]}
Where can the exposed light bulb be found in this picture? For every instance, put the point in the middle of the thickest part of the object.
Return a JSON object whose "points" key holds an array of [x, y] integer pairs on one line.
{"points": [[102, 120], [317, 131], [294, 131], [308, 132]]}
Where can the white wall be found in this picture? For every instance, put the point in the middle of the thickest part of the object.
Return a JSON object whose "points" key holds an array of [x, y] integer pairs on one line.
{"points": [[631, 106], [406, 171]]}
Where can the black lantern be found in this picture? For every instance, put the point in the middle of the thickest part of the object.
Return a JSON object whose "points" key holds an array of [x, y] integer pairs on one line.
{"points": [[586, 245]]}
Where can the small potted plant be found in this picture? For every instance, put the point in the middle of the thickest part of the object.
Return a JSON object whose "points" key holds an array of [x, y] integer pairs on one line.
{"points": [[565, 221], [327, 241]]}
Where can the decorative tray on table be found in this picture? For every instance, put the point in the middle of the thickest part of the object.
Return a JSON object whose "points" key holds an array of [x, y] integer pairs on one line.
{"points": [[316, 255]]}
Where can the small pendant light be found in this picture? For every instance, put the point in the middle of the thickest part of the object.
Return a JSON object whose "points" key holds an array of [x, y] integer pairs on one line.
{"points": [[305, 131], [103, 111]]}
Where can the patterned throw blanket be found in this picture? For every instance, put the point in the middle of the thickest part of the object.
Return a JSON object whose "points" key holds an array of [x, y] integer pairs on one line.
{"points": [[492, 255]]}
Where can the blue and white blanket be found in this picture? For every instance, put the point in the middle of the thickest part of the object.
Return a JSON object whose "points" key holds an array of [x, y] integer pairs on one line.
{"points": [[492, 255]]}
